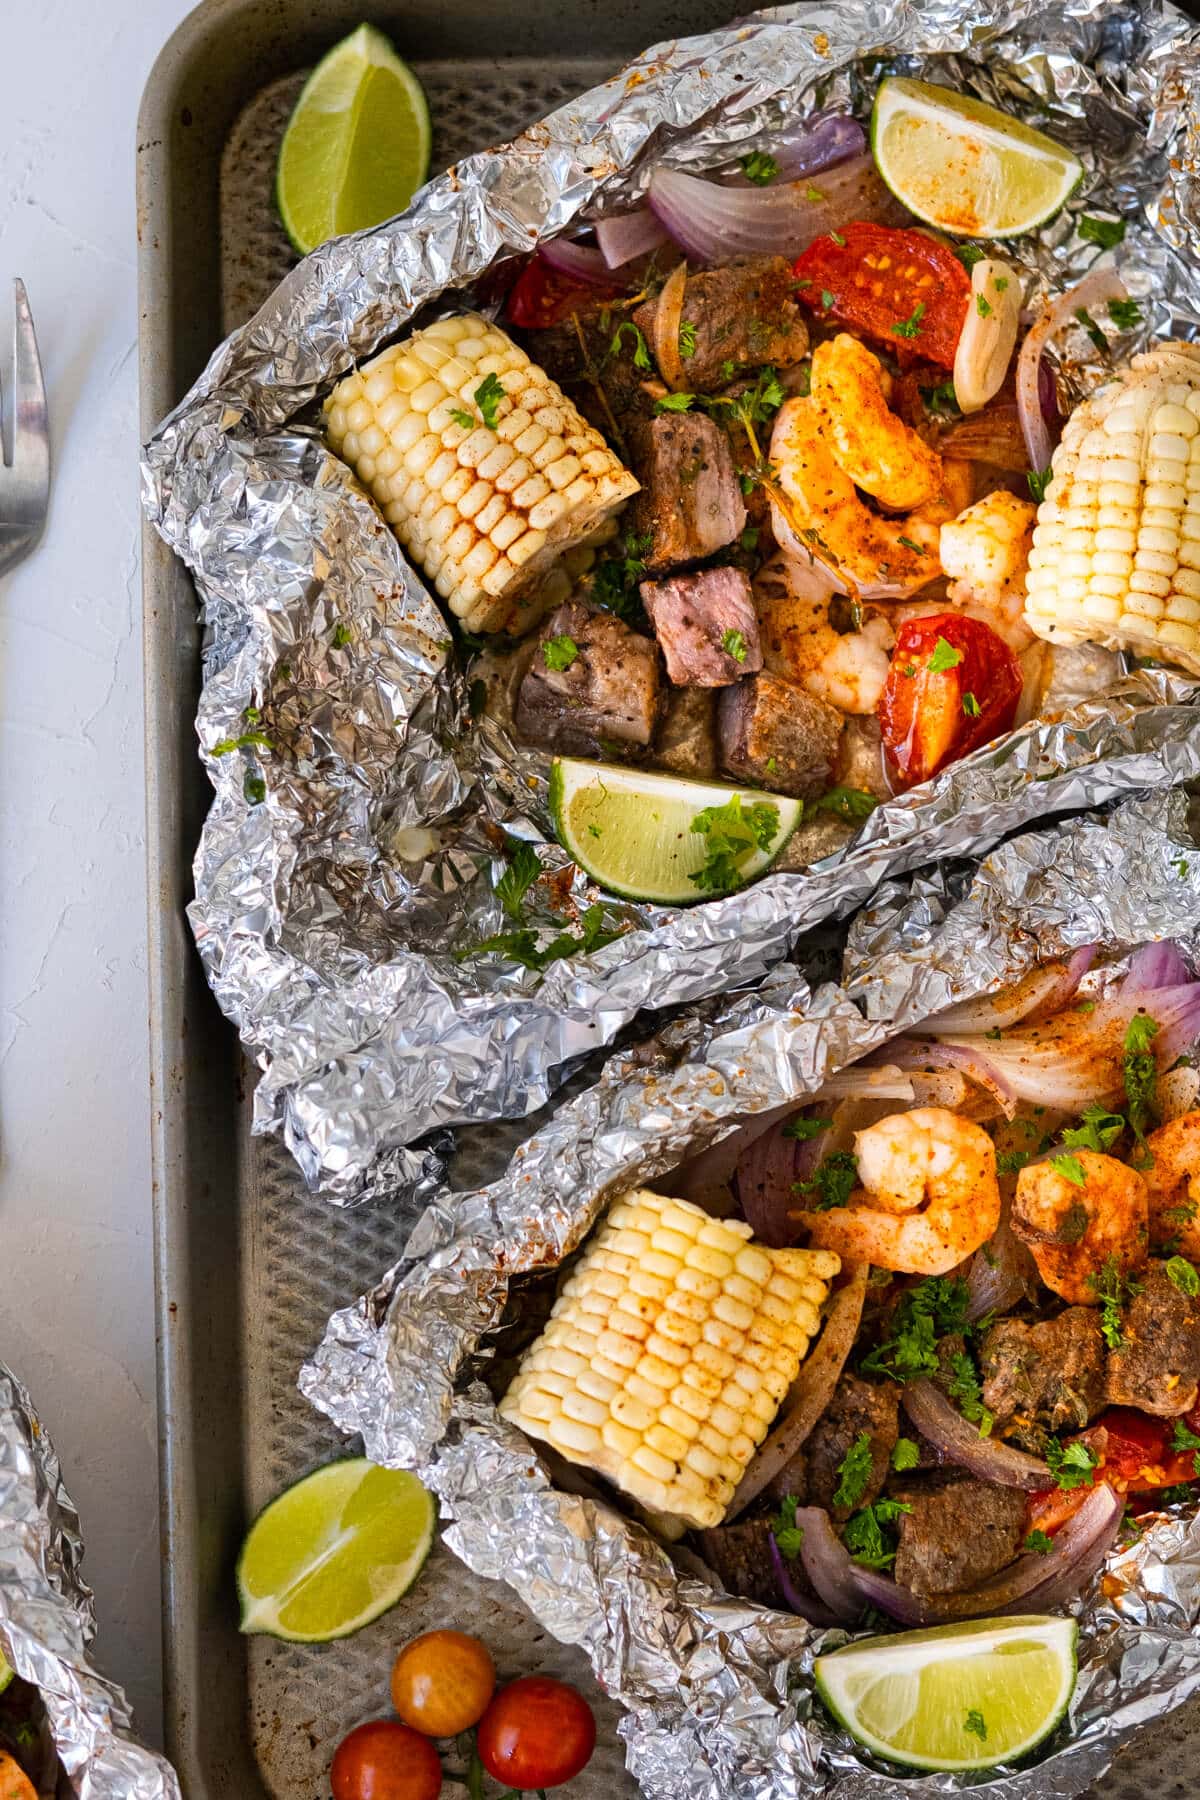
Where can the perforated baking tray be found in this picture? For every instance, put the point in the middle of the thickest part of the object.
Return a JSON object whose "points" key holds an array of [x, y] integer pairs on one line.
{"points": [[249, 1264]]}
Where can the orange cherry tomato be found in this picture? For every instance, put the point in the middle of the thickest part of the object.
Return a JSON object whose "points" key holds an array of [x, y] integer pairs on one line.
{"points": [[442, 1682], [382, 1760], [14, 1783], [537, 1733]]}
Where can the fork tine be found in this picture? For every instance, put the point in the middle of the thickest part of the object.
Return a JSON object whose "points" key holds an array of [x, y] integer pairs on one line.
{"points": [[31, 426]]}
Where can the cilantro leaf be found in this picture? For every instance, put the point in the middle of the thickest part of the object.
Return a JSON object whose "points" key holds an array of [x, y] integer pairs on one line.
{"points": [[1010, 1162], [517, 879], [944, 657], [833, 1181], [1140, 1072], [826, 299], [465, 419], [1039, 481], [964, 1389], [864, 1538], [909, 545], [925, 1313], [971, 706], [1114, 1289], [850, 804], [758, 167], [1070, 1168], [1125, 314], [854, 1471], [1186, 1279], [975, 1724], [559, 653], [910, 327], [1093, 330], [734, 833], [787, 1534], [641, 351], [1098, 1129], [1105, 232], [983, 306], [1039, 1543], [615, 582], [734, 644], [675, 403], [1072, 1465], [804, 1129], [488, 396], [968, 256], [905, 1455]]}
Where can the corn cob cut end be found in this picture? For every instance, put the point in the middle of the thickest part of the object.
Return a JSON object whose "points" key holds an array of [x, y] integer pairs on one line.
{"points": [[669, 1350], [484, 510], [1116, 548]]}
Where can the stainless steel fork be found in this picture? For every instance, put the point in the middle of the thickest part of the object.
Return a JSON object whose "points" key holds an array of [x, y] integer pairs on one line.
{"points": [[25, 478]]}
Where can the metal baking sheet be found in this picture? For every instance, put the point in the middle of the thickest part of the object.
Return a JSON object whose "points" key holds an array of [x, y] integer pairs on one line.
{"points": [[250, 1264]]}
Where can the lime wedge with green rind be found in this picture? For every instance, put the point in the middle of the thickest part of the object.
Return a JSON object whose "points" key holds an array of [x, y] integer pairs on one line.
{"points": [[964, 166], [356, 148], [957, 1696], [631, 829], [334, 1552], [7, 1673]]}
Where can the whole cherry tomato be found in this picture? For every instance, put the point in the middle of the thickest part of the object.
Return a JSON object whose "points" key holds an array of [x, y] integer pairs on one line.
{"points": [[953, 685], [542, 296], [901, 288], [442, 1682], [537, 1733], [382, 1760]]}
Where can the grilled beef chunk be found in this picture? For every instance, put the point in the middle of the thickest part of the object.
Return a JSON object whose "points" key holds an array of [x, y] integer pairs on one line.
{"points": [[777, 736], [857, 1406], [958, 1533], [686, 739], [584, 354], [1157, 1366], [606, 697], [1043, 1378], [707, 626], [744, 314], [691, 501], [740, 1557]]}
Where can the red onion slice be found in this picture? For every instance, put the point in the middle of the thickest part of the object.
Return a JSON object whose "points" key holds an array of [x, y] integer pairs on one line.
{"points": [[937, 1419], [805, 1605], [582, 262], [1096, 288], [814, 145], [1048, 987], [1155, 966], [1001, 1275], [975, 1064], [713, 222], [827, 1563], [628, 235]]}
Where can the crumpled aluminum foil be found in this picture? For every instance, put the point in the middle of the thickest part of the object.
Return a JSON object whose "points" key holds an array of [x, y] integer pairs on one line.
{"points": [[47, 1621], [347, 852], [719, 1691]]}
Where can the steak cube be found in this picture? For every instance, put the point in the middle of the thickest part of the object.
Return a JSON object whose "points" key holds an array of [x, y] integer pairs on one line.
{"points": [[858, 1408], [686, 739], [957, 1533], [743, 314], [592, 686], [777, 736], [706, 625], [691, 501]]}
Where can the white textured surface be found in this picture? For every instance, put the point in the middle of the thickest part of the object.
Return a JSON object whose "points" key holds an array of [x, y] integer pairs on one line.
{"points": [[76, 1314]]}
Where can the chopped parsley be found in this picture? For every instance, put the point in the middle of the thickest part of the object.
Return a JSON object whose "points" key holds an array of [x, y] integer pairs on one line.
{"points": [[727, 368], [1072, 1465], [615, 582], [672, 403], [758, 167], [1011, 1162], [787, 1534], [971, 706], [1105, 232], [975, 1724], [641, 350], [1098, 1130], [983, 306], [910, 327], [465, 419], [1140, 1072], [559, 652], [1180, 867], [832, 1182], [687, 339], [1113, 1289], [854, 1471], [1186, 1279], [734, 833], [905, 1455], [826, 299], [488, 396], [1039, 481], [516, 881], [1038, 1543], [522, 946], [925, 1313], [968, 256], [864, 1536], [1093, 330], [1173, 1496], [838, 239], [944, 657], [964, 1389], [734, 644], [1070, 1168], [909, 545], [804, 1129], [1125, 314], [851, 804]]}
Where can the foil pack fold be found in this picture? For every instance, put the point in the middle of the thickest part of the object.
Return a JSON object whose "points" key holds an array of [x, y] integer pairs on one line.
{"points": [[347, 856], [718, 1691], [47, 1621]]}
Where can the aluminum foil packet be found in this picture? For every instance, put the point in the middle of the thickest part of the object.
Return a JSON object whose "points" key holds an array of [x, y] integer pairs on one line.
{"points": [[718, 1691], [47, 1621], [359, 811]]}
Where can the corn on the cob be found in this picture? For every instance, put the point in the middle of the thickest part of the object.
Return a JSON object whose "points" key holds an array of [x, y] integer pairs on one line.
{"points": [[668, 1352], [1116, 549], [484, 495]]}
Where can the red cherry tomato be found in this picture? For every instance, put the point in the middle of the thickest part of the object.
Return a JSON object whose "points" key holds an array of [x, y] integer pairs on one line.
{"points": [[542, 296], [536, 1733], [952, 686], [901, 288], [1133, 1454], [382, 1760]]}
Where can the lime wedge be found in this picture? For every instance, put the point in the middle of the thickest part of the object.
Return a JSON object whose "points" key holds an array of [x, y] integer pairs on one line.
{"points": [[632, 831], [356, 148], [964, 166], [7, 1674], [957, 1696], [334, 1551]]}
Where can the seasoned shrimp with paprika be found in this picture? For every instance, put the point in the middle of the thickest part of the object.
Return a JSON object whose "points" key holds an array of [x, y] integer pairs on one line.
{"points": [[928, 1195], [1074, 1227], [870, 443], [1173, 1185]]}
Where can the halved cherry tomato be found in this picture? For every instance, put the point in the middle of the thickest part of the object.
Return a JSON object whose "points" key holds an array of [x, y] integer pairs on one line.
{"points": [[952, 686], [385, 1761], [537, 1733], [442, 1682], [901, 288], [14, 1783], [1134, 1456], [542, 296]]}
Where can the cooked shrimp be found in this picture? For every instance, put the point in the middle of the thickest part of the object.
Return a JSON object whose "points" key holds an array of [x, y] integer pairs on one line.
{"points": [[846, 668], [1173, 1184], [1073, 1228], [986, 553], [878, 451], [826, 519], [929, 1195]]}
